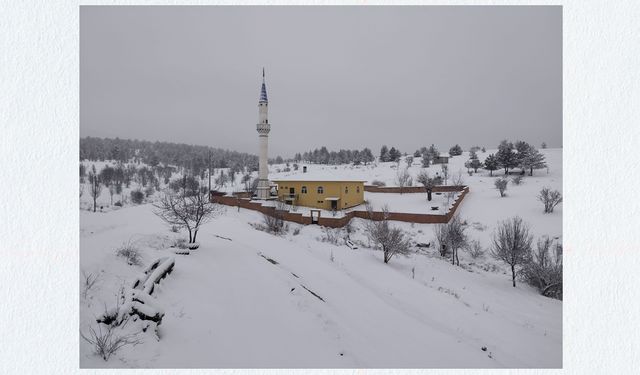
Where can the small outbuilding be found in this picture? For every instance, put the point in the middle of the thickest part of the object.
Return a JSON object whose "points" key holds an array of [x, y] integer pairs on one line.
{"points": [[441, 159]]}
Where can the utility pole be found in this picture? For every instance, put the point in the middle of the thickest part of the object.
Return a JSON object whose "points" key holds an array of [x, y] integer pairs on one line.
{"points": [[209, 172]]}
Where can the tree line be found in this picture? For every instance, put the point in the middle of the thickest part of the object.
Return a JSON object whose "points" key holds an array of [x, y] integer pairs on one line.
{"points": [[192, 158], [323, 156]]}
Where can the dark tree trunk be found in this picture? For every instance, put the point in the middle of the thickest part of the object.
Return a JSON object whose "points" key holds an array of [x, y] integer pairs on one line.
{"points": [[513, 275], [429, 195], [491, 172]]}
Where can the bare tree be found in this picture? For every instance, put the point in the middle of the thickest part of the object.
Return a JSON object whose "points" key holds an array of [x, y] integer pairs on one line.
{"points": [[402, 178], [512, 244], [445, 172], [427, 182], [549, 198], [95, 186], [187, 211], [441, 232], [112, 191], [501, 185], [391, 240]]}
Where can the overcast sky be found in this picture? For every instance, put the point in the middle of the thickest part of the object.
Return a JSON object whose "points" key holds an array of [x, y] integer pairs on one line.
{"points": [[344, 77]]}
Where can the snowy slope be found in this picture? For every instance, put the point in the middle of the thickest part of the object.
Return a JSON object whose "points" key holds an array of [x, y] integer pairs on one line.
{"points": [[226, 306]]}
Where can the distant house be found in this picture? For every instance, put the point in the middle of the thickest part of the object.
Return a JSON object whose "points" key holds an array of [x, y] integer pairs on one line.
{"points": [[442, 159], [322, 193]]}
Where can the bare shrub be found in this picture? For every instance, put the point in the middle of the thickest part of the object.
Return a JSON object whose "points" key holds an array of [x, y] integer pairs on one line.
{"points": [[392, 240], [130, 253], [331, 235], [475, 249], [137, 196], [512, 244], [149, 191], [457, 180], [88, 282], [106, 342], [517, 180], [501, 185], [403, 178], [549, 198], [275, 223], [296, 231], [180, 243], [543, 269]]}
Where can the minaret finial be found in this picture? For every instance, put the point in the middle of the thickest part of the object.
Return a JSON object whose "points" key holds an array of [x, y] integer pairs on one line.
{"points": [[263, 74]]}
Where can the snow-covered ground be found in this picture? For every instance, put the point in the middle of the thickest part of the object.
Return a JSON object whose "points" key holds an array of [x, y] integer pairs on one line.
{"points": [[227, 306]]}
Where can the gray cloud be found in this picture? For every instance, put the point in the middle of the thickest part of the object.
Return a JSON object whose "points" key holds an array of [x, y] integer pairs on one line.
{"points": [[344, 77]]}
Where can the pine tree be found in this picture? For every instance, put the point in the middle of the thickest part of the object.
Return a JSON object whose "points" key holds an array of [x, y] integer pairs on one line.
{"points": [[534, 160], [491, 163], [505, 156], [384, 154], [455, 150], [425, 160]]}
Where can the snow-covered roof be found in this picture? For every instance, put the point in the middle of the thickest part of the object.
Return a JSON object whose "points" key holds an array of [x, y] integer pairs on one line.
{"points": [[332, 199], [330, 175]]}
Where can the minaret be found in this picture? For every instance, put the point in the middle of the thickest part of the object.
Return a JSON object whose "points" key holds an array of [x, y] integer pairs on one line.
{"points": [[263, 128]]}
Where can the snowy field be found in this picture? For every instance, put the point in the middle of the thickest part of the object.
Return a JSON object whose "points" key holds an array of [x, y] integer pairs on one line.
{"points": [[226, 305]]}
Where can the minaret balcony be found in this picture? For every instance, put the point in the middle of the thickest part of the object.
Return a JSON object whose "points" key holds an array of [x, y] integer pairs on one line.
{"points": [[263, 128]]}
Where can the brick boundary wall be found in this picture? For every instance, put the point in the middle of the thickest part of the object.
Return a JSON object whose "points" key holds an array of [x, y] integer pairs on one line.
{"points": [[334, 222], [412, 189]]}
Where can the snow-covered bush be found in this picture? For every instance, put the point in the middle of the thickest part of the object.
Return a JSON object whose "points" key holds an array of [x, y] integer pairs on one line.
{"points": [[137, 196], [549, 198], [378, 183], [501, 185], [130, 253]]}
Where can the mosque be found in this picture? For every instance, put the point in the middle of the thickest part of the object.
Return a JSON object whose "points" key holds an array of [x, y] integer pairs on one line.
{"points": [[310, 190]]}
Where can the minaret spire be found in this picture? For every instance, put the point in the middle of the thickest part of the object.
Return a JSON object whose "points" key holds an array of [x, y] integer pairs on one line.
{"points": [[263, 91]]}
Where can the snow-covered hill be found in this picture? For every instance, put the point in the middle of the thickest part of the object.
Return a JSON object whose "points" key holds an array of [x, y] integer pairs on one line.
{"points": [[227, 305]]}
